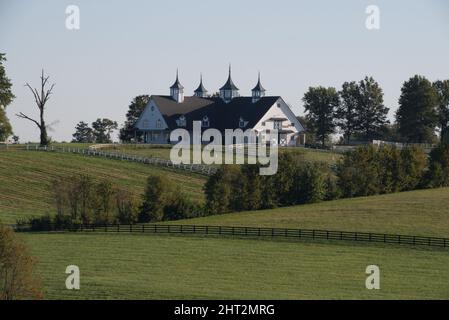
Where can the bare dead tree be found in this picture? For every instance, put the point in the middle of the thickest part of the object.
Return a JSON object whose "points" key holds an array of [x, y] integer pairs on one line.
{"points": [[41, 99]]}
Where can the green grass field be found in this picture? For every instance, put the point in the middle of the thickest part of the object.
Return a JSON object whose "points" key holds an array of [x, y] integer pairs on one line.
{"points": [[134, 266], [421, 212], [163, 151], [128, 266], [25, 177]]}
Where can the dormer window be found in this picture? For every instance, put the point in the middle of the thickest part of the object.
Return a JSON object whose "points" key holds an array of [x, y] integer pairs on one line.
{"points": [[181, 122], [242, 123], [205, 122]]}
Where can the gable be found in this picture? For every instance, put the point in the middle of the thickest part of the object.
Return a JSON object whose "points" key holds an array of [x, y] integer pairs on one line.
{"points": [[151, 118], [280, 110]]}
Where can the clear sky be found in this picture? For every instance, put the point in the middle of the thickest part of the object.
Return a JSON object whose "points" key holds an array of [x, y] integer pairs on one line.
{"points": [[127, 48]]}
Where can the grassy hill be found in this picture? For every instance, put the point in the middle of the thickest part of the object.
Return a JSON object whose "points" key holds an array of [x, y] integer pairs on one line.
{"points": [[163, 151], [421, 212], [25, 177], [136, 266]]}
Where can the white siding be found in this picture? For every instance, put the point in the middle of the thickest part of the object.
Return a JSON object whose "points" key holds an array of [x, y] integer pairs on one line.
{"points": [[151, 117]]}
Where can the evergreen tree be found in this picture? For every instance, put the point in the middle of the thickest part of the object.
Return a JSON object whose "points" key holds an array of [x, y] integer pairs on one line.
{"points": [[83, 133], [127, 133], [417, 116]]}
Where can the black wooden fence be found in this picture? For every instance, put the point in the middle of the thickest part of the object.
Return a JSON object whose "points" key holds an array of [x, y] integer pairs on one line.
{"points": [[246, 232]]}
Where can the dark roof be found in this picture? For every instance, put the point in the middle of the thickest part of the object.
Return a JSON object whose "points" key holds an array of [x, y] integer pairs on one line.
{"points": [[258, 86], [177, 84], [229, 85], [221, 115], [200, 87]]}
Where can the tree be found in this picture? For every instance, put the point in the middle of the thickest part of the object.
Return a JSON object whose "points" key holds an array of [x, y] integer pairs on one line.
{"points": [[16, 269], [6, 97], [371, 112], [102, 129], [83, 133], [127, 133], [438, 174], [103, 202], [417, 116], [442, 88], [157, 192], [41, 99], [5, 126], [127, 206], [218, 189], [346, 112], [320, 104]]}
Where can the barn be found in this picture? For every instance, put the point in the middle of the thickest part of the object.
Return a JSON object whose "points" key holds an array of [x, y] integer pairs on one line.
{"points": [[226, 110]]}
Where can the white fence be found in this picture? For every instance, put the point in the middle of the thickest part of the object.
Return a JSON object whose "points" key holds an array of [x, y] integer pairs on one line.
{"points": [[197, 168]]}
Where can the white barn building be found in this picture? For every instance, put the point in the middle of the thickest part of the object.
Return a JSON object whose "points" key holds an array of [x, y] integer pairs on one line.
{"points": [[229, 110]]}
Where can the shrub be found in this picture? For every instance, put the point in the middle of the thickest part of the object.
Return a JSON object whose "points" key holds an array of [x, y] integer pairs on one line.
{"points": [[154, 200], [127, 206], [438, 174], [311, 183], [413, 165], [180, 207], [358, 173], [218, 190], [16, 269]]}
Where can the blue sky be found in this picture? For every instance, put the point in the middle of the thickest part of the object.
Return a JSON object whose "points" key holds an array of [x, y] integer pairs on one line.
{"points": [[127, 48]]}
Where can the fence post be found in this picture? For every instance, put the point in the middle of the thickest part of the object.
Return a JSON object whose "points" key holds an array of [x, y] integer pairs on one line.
{"points": [[131, 228], [143, 228]]}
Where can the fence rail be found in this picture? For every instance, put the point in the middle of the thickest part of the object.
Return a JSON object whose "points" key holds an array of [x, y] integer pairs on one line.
{"points": [[245, 232], [197, 168]]}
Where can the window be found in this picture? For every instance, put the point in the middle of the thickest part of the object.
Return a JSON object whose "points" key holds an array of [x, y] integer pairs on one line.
{"points": [[205, 122], [279, 105], [158, 123], [242, 123], [146, 124], [277, 125], [152, 108], [181, 122], [263, 123]]}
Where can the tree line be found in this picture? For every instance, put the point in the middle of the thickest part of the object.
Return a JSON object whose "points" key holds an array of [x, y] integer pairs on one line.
{"points": [[358, 112], [366, 171], [82, 199], [100, 132]]}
